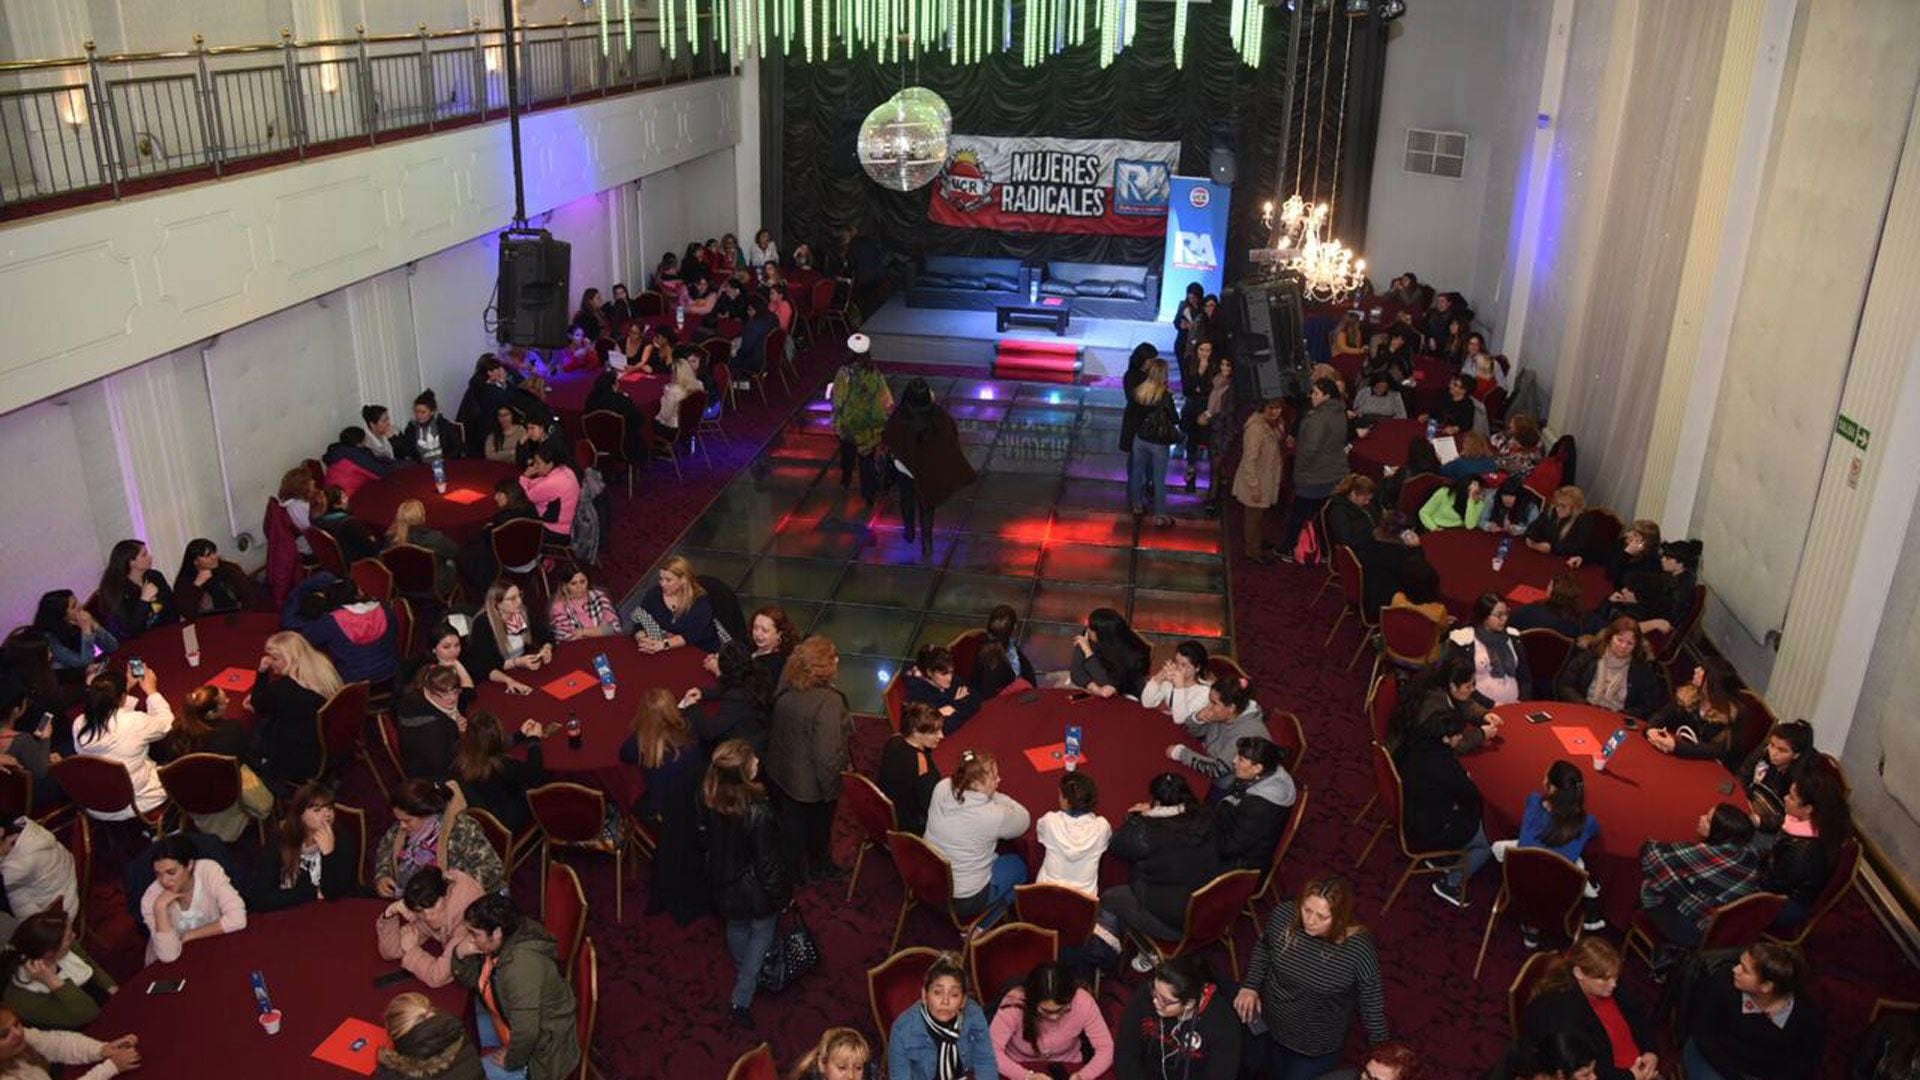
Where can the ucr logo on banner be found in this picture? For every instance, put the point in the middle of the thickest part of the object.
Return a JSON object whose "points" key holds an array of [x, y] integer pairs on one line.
{"points": [[965, 185], [1200, 197]]}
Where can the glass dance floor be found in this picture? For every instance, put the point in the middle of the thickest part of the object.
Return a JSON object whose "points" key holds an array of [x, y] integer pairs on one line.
{"points": [[1045, 529]]}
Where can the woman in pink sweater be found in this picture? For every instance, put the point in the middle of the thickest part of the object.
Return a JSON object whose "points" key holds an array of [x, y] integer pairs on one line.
{"points": [[1038, 1028], [554, 491]]}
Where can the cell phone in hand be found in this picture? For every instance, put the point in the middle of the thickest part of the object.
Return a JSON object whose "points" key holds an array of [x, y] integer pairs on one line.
{"points": [[166, 986], [137, 668]]}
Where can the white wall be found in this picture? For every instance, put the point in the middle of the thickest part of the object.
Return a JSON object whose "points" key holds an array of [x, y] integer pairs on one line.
{"points": [[691, 202], [55, 489], [1882, 754]]}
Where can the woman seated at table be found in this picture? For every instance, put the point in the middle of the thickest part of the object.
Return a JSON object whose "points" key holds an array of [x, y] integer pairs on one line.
{"points": [[1459, 505], [606, 396], [133, 596], [380, 431], [74, 639], [1512, 509], [1814, 824], [425, 1043], [1476, 457], [945, 1033], [590, 317], [1519, 445], [1615, 673], [1564, 529], [907, 775], [1050, 1026], [739, 703], [1354, 521], [208, 584], [49, 980], [1108, 657], [967, 819], [112, 726], [1556, 818], [1772, 766], [554, 490], [664, 747], [350, 466], [429, 435], [1442, 806], [26, 1053], [1003, 632], [675, 610], [1379, 399], [1638, 553], [508, 636], [931, 681], [1249, 819], [1681, 883], [355, 631], [429, 911], [202, 727], [582, 610], [1314, 966], [328, 509], [190, 899], [1660, 601], [1579, 992], [1756, 1018], [1459, 412], [773, 637], [494, 780], [1229, 715], [430, 829], [1564, 610], [1180, 688], [478, 566], [1420, 590], [666, 273], [1446, 686], [508, 432], [429, 718], [1500, 672], [1699, 721], [1172, 847], [1348, 337], [295, 681], [510, 962], [410, 527], [310, 859]]}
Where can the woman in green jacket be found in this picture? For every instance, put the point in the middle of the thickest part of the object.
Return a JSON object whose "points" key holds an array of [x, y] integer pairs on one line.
{"points": [[1459, 505], [523, 1008], [50, 982], [861, 405]]}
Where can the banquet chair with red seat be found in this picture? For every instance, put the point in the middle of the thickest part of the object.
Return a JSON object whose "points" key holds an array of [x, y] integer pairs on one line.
{"points": [[1386, 778], [1268, 891], [1001, 957], [573, 817], [716, 410], [1543, 889], [1415, 492], [518, 543], [584, 979], [1892, 1007], [895, 697], [415, 573], [1520, 990], [1729, 926], [1547, 476], [965, 648], [670, 444], [1666, 644], [1353, 580], [1383, 699], [1839, 883], [563, 909], [755, 1064], [607, 437], [351, 820], [283, 551], [779, 362], [1332, 580], [99, 786], [1222, 666], [372, 578], [16, 800], [326, 551], [201, 785], [1290, 735], [873, 812], [1546, 651], [820, 306], [1069, 913], [649, 304], [928, 878], [1408, 636], [342, 723], [79, 844], [513, 848], [1753, 720], [1211, 912], [894, 985], [388, 729]]}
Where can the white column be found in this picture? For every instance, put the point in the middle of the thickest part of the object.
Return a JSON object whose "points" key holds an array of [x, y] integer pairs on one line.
{"points": [[746, 154]]}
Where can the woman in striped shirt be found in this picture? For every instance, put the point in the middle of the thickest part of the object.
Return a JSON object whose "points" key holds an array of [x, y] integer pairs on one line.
{"points": [[1310, 969]]}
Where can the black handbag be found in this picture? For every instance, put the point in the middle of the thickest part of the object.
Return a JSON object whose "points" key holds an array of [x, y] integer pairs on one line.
{"points": [[794, 953], [1160, 425]]}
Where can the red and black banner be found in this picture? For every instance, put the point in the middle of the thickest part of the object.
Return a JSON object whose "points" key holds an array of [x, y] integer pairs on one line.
{"points": [[1114, 187]]}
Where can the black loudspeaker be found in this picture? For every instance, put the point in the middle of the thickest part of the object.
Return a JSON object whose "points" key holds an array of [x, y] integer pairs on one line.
{"points": [[1221, 165], [533, 291]]}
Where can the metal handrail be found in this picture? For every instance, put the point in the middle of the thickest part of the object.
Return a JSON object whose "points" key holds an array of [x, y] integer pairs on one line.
{"points": [[83, 128]]}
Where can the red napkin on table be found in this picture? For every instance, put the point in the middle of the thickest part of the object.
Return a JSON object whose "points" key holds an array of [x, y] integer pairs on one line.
{"points": [[464, 495], [338, 1047], [1578, 740], [1051, 758], [1526, 594], [570, 684], [235, 680]]}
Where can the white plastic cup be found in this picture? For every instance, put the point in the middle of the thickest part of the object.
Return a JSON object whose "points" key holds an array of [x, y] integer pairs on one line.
{"points": [[440, 487], [193, 659], [270, 1021], [608, 689], [1600, 764]]}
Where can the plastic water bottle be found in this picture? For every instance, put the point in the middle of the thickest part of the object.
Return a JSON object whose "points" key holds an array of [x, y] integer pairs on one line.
{"points": [[260, 999], [680, 311], [573, 730], [439, 475], [1073, 747], [604, 670], [1500, 553], [1433, 428], [1033, 289], [1607, 751]]}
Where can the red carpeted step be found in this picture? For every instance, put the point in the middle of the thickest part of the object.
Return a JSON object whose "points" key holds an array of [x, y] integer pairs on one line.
{"points": [[1037, 361]]}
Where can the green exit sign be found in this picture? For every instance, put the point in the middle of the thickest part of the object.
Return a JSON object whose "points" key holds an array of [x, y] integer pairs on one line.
{"points": [[1852, 431]]}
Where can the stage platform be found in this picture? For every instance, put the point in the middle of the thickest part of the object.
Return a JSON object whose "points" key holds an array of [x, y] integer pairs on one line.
{"points": [[967, 338]]}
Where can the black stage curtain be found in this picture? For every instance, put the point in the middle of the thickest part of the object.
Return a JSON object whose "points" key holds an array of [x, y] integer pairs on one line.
{"points": [[1215, 100]]}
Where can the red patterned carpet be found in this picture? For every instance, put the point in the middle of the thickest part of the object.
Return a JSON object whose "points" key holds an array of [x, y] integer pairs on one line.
{"points": [[663, 987]]}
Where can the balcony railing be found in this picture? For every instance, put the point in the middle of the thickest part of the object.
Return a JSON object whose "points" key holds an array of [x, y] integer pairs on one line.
{"points": [[96, 127]]}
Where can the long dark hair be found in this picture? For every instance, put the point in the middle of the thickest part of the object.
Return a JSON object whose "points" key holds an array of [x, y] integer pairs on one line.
{"points": [[917, 408], [113, 582], [737, 669], [1051, 983], [50, 618], [1172, 789], [1567, 806], [482, 750], [1462, 490], [1821, 789], [29, 656], [37, 936], [293, 832], [197, 548], [1119, 648], [104, 696]]}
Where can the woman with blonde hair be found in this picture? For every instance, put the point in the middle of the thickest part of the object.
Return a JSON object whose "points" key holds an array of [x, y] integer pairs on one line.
{"points": [[295, 680], [662, 744], [1148, 430], [966, 820], [410, 527], [808, 746], [508, 636], [1579, 992], [841, 1054], [428, 1044], [1564, 529], [675, 610]]}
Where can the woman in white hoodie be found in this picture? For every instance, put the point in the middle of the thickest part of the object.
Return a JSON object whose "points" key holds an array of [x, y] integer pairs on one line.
{"points": [[1075, 836], [111, 726], [966, 822], [1180, 686], [36, 869]]}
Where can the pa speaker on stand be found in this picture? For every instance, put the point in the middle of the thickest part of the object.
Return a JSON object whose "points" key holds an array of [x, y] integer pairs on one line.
{"points": [[534, 297]]}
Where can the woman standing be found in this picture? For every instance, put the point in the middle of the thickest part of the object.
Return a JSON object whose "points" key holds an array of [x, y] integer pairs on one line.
{"points": [[49, 980], [582, 610], [111, 727], [944, 1035], [663, 746], [311, 859], [295, 681], [808, 747], [1156, 427], [134, 596], [967, 819], [745, 868], [927, 459], [1319, 460], [75, 640], [1050, 1026], [190, 899], [1579, 993], [676, 610], [1216, 426], [1313, 967], [861, 402], [430, 829], [208, 584], [1256, 480]]}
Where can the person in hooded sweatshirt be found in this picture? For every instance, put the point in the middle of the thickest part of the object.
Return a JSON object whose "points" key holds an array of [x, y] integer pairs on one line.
{"points": [[350, 465], [428, 1044], [966, 820], [1230, 715], [355, 632], [1074, 836], [1250, 819], [1171, 846]]}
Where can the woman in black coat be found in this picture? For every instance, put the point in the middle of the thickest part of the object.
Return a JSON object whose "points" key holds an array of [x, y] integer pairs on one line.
{"points": [[932, 682], [1353, 520], [1617, 672], [607, 396], [1250, 819], [928, 461], [746, 872], [738, 705], [1570, 996], [208, 584], [1563, 528], [907, 773], [1440, 804], [133, 596], [428, 435], [1172, 847]]}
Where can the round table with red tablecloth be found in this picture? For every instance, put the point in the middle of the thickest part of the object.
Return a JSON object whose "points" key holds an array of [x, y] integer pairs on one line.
{"points": [[1642, 795], [1123, 742], [461, 513], [605, 724], [230, 649], [1430, 375], [319, 962], [567, 395], [1464, 559], [1384, 446]]}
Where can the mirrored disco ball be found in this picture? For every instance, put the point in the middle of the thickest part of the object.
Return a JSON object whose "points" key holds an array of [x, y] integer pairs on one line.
{"points": [[933, 100], [903, 144]]}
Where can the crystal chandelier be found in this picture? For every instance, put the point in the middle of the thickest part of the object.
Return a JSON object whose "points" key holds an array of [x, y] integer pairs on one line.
{"points": [[1327, 268]]}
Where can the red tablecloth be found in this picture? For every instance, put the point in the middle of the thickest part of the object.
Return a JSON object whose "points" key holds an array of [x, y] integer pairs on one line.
{"points": [[1430, 375], [1125, 746], [1385, 444], [462, 521], [1643, 794], [606, 724], [226, 641], [319, 961], [567, 395], [1464, 558]]}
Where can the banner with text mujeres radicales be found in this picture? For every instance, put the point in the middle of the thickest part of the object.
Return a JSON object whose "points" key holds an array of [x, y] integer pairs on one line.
{"points": [[1116, 187]]}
